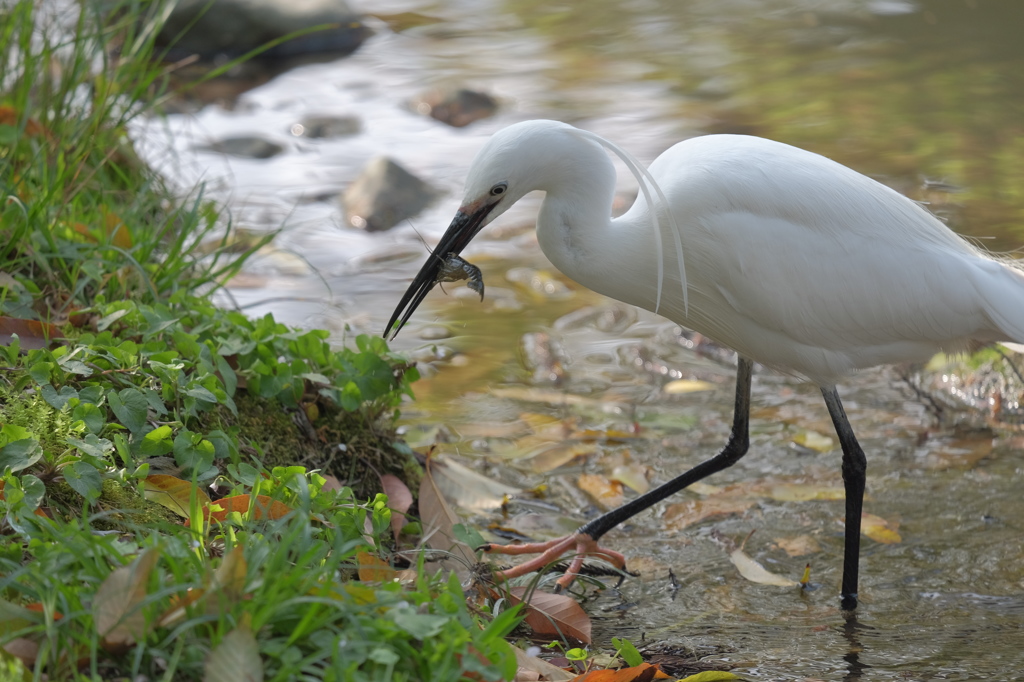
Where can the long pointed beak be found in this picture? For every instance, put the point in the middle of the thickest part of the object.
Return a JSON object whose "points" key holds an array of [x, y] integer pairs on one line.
{"points": [[463, 228]]}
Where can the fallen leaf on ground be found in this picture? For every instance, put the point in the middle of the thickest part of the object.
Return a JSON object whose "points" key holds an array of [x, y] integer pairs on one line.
{"points": [[467, 489], [799, 545], [117, 606], [373, 569], [438, 521], [235, 659], [878, 529], [174, 493], [606, 493], [399, 501], [641, 673], [555, 615], [32, 334], [532, 668], [263, 507]]}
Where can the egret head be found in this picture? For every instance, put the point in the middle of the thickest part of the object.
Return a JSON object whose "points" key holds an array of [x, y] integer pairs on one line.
{"points": [[514, 162]]}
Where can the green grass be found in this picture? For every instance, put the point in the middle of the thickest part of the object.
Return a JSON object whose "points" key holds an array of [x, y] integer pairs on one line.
{"points": [[81, 216], [123, 385]]}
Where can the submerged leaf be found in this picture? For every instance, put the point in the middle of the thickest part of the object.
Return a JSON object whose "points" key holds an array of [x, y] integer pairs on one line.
{"points": [[684, 514], [755, 572], [878, 529], [606, 493]]}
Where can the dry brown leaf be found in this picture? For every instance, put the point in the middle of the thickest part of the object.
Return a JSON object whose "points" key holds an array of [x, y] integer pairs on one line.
{"points": [[532, 668], [235, 659], [32, 334], [684, 514], [399, 501], [263, 507], [229, 579], [555, 615], [606, 493], [799, 545], [645, 672], [116, 607], [438, 521], [373, 569], [331, 483], [174, 493], [467, 489], [23, 649]]}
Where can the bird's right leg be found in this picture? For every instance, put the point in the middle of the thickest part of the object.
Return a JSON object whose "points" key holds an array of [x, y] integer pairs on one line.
{"points": [[585, 539]]}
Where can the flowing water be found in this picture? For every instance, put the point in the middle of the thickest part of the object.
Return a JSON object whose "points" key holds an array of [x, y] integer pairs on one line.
{"points": [[544, 383]]}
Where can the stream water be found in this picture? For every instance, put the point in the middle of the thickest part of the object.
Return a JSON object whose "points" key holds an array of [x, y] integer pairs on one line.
{"points": [[543, 383]]}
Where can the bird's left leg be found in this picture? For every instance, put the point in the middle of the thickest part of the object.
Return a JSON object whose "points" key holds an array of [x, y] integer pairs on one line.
{"points": [[585, 539], [854, 473]]}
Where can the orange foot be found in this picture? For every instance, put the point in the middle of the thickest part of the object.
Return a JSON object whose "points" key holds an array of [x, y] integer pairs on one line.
{"points": [[551, 551]]}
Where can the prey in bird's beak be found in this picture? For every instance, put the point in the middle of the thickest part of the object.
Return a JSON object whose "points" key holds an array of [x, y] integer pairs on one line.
{"points": [[444, 264]]}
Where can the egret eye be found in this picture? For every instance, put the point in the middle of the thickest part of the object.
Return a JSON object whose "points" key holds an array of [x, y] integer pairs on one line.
{"points": [[499, 189]]}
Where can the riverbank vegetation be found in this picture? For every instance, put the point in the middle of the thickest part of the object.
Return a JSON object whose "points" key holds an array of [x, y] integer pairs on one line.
{"points": [[187, 493]]}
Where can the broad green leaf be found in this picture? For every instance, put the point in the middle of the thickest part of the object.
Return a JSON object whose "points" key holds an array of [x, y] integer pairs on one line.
{"points": [[130, 407], [20, 454], [92, 445], [57, 399], [192, 451], [93, 417], [628, 652], [41, 372], [84, 479], [419, 625], [157, 442]]}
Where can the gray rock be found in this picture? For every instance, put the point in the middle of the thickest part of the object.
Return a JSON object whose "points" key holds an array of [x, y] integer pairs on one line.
{"points": [[233, 27], [384, 195], [327, 126], [457, 108], [249, 147]]}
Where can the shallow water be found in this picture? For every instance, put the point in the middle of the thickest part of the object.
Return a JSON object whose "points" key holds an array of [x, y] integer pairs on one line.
{"points": [[926, 96]]}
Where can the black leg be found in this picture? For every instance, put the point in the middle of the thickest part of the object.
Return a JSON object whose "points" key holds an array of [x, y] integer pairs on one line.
{"points": [[739, 440], [854, 467]]}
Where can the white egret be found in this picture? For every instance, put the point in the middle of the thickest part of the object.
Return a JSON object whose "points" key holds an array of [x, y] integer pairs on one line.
{"points": [[792, 260]]}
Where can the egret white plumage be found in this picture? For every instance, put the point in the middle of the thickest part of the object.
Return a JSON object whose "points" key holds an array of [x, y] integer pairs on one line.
{"points": [[793, 260]]}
